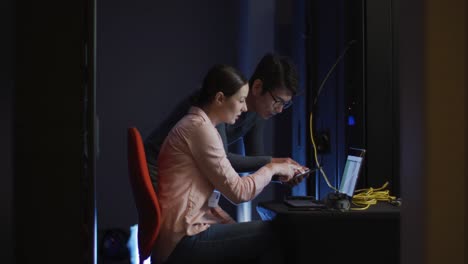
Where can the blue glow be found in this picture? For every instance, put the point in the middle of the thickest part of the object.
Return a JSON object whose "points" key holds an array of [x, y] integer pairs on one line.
{"points": [[132, 246], [244, 212], [95, 235], [351, 120], [265, 214]]}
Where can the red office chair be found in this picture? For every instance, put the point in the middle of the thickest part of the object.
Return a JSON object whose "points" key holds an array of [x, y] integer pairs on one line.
{"points": [[146, 201]]}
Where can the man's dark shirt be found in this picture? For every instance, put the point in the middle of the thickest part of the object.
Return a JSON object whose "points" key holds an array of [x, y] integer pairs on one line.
{"points": [[249, 126]]}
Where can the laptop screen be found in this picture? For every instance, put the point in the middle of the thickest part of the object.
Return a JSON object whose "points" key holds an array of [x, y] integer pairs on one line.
{"points": [[350, 174]]}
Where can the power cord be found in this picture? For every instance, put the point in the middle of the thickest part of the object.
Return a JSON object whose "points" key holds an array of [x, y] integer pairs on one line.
{"points": [[363, 198], [315, 156]]}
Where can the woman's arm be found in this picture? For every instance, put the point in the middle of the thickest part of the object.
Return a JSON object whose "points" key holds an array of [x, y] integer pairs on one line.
{"points": [[208, 152]]}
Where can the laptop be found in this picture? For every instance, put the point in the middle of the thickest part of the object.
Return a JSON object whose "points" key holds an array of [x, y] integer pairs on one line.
{"points": [[351, 171], [347, 186]]}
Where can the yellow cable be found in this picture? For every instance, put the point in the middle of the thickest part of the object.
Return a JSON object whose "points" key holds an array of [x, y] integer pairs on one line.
{"points": [[364, 198], [315, 155]]}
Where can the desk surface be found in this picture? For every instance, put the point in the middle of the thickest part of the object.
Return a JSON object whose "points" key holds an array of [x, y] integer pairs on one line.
{"points": [[369, 236], [381, 209]]}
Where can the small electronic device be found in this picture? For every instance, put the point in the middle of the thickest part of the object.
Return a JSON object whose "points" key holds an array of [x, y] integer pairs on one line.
{"points": [[214, 199], [307, 171], [275, 178]]}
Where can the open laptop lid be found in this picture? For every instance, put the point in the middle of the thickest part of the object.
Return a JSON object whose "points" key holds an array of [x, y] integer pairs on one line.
{"points": [[351, 171]]}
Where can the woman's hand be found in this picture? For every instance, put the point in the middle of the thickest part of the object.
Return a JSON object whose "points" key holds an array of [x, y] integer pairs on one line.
{"points": [[285, 171], [298, 179]]}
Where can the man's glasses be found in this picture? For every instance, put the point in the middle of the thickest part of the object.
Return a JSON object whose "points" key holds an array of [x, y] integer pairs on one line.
{"points": [[280, 102]]}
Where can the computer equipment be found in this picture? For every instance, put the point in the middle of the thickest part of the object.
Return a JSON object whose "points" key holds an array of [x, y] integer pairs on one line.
{"points": [[339, 199], [304, 202], [351, 171]]}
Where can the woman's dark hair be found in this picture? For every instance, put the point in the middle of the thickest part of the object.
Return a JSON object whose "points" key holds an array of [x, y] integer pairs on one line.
{"points": [[276, 71], [220, 78]]}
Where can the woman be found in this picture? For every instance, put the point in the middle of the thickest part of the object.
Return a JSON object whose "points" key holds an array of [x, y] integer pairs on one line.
{"points": [[193, 165]]}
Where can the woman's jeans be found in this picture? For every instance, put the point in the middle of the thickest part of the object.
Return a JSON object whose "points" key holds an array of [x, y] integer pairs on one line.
{"points": [[249, 242]]}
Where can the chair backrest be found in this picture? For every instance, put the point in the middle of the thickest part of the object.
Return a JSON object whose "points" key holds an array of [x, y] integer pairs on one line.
{"points": [[146, 201]]}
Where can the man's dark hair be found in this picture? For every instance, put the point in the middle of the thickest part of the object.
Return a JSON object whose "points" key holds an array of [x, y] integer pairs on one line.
{"points": [[220, 78], [276, 71]]}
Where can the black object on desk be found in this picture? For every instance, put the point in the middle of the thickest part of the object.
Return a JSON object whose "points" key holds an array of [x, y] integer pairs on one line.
{"points": [[298, 203], [331, 236]]}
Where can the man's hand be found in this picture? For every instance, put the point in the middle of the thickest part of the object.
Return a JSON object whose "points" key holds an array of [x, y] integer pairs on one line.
{"points": [[285, 160]]}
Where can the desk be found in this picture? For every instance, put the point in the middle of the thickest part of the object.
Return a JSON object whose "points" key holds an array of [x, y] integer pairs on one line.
{"points": [[370, 236]]}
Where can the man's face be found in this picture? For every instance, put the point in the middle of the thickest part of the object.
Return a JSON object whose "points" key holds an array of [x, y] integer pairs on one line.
{"points": [[272, 102]]}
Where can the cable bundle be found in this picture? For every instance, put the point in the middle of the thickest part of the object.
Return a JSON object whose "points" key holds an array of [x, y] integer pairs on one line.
{"points": [[364, 198]]}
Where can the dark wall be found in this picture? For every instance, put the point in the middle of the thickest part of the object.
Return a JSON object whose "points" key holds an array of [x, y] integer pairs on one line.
{"points": [[328, 40], [413, 126], [7, 63], [382, 100], [52, 191], [361, 86], [151, 55]]}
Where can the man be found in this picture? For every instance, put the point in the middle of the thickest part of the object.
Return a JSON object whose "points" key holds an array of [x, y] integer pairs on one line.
{"points": [[272, 87]]}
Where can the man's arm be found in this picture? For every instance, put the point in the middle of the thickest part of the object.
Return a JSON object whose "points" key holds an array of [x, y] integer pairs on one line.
{"points": [[254, 144], [253, 139], [242, 163]]}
